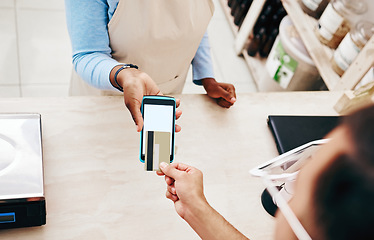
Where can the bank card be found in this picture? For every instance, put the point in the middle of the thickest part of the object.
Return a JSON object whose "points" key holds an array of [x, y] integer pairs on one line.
{"points": [[157, 149]]}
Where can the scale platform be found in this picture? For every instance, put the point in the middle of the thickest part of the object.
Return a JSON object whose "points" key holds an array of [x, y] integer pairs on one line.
{"points": [[22, 201]]}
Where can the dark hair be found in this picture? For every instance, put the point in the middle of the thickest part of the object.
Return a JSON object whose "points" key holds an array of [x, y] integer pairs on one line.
{"points": [[344, 194]]}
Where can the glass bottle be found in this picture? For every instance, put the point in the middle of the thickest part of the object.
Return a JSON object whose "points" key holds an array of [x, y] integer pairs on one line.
{"points": [[337, 19], [243, 9], [230, 2], [260, 23], [265, 49], [351, 46], [235, 7], [268, 10], [255, 42], [314, 8], [242, 12]]}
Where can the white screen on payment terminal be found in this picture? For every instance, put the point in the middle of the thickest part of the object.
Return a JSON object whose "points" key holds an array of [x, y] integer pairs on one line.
{"points": [[157, 118]]}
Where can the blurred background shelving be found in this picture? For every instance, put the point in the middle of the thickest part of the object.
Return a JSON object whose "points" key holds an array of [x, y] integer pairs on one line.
{"points": [[305, 26]]}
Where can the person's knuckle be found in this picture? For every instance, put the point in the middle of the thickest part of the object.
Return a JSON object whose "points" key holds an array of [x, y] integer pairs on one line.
{"points": [[128, 104], [144, 76], [129, 83]]}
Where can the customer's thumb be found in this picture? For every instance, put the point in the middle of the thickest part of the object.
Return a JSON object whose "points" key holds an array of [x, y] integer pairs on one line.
{"points": [[163, 167]]}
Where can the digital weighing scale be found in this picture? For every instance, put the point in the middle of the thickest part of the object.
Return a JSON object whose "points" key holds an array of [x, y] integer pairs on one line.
{"points": [[22, 202]]}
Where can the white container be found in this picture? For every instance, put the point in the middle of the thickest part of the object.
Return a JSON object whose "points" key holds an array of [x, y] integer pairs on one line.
{"points": [[289, 66], [351, 46]]}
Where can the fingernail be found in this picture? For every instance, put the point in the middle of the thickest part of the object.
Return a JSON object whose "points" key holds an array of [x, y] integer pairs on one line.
{"points": [[233, 99], [163, 165]]}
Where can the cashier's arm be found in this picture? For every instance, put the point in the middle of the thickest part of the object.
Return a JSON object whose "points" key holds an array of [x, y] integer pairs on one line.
{"points": [[185, 189]]}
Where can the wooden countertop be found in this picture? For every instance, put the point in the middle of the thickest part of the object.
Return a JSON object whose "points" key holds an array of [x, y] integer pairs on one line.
{"points": [[96, 187]]}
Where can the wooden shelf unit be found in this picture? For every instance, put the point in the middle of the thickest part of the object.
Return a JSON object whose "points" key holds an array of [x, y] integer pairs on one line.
{"points": [[320, 54], [256, 65], [230, 19]]}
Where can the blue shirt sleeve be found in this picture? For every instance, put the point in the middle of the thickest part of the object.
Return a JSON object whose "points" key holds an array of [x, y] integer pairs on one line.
{"points": [[202, 66], [87, 22]]}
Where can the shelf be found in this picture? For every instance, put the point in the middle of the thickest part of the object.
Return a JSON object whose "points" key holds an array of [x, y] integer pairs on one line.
{"points": [[256, 65], [248, 24], [226, 9], [316, 49], [320, 54], [359, 67]]}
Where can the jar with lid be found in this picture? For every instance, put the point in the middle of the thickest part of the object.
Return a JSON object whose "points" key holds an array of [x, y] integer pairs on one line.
{"points": [[314, 8], [351, 45], [337, 19]]}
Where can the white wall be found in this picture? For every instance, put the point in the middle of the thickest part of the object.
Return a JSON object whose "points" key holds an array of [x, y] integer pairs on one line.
{"points": [[35, 51]]}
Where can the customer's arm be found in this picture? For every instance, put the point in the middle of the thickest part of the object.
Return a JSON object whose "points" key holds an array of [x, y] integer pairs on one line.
{"points": [[185, 189]]}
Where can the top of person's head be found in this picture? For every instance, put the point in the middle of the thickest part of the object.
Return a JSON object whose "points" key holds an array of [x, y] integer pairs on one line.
{"points": [[344, 194]]}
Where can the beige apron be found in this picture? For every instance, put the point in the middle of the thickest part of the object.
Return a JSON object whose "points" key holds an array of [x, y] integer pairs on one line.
{"points": [[160, 36]]}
